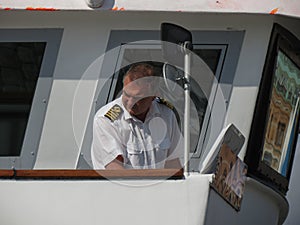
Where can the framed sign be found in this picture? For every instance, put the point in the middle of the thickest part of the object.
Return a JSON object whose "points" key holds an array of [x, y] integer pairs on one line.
{"points": [[230, 177]]}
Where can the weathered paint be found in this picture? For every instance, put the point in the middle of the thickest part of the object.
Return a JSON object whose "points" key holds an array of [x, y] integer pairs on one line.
{"points": [[116, 8], [287, 7], [41, 9], [274, 11]]}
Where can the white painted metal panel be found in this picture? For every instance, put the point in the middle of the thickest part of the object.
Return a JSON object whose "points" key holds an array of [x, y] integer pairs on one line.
{"points": [[290, 7], [104, 202], [185, 202]]}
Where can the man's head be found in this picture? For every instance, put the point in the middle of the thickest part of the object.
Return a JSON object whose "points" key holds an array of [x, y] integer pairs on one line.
{"points": [[139, 89]]}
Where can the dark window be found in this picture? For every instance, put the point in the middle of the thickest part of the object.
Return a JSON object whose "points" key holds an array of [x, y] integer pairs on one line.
{"points": [[20, 64], [210, 56]]}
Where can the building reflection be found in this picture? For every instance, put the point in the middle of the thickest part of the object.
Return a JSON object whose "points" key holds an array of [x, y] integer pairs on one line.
{"points": [[282, 114]]}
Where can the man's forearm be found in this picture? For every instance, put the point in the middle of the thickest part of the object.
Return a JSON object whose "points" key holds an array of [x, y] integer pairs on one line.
{"points": [[116, 164]]}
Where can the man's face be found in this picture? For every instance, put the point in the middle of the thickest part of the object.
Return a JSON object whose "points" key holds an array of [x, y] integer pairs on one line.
{"points": [[136, 97]]}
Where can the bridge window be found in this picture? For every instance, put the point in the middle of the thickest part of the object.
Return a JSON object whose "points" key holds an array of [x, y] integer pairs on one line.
{"points": [[27, 60], [218, 49], [20, 64]]}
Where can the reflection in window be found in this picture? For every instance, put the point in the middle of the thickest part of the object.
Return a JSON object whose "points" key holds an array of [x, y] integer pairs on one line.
{"points": [[283, 110], [280, 134], [20, 64], [268, 158]]}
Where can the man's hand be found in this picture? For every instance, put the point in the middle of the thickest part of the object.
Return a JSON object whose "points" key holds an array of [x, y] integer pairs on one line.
{"points": [[116, 164]]}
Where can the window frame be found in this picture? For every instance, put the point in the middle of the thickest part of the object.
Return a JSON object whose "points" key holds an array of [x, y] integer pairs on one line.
{"points": [[52, 37], [281, 40], [229, 40], [201, 136]]}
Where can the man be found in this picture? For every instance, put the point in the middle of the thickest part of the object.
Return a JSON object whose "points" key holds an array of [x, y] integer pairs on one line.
{"points": [[137, 130]]}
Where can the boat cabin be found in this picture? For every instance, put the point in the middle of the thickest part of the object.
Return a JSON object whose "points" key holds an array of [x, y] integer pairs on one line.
{"points": [[61, 61]]}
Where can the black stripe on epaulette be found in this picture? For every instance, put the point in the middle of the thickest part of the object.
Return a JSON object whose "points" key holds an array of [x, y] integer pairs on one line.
{"points": [[114, 112], [164, 102]]}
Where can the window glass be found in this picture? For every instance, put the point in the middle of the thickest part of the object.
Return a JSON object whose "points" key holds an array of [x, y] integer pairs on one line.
{"points": [[210, 56], [20, 64], [283, 111]]}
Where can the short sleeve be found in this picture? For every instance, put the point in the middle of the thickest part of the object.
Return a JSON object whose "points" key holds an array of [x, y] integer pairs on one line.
{"points": [[106, 145]]}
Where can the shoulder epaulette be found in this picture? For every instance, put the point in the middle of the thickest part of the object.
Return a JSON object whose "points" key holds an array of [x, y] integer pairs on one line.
{"points": [[114, 112], [166, 103]]}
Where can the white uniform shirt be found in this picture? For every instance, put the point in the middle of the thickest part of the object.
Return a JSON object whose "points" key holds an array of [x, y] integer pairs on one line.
{"points": [[143, 145]]}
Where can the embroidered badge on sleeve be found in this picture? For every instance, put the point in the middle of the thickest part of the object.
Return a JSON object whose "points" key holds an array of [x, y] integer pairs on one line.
{"points": [[114, 113]]}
